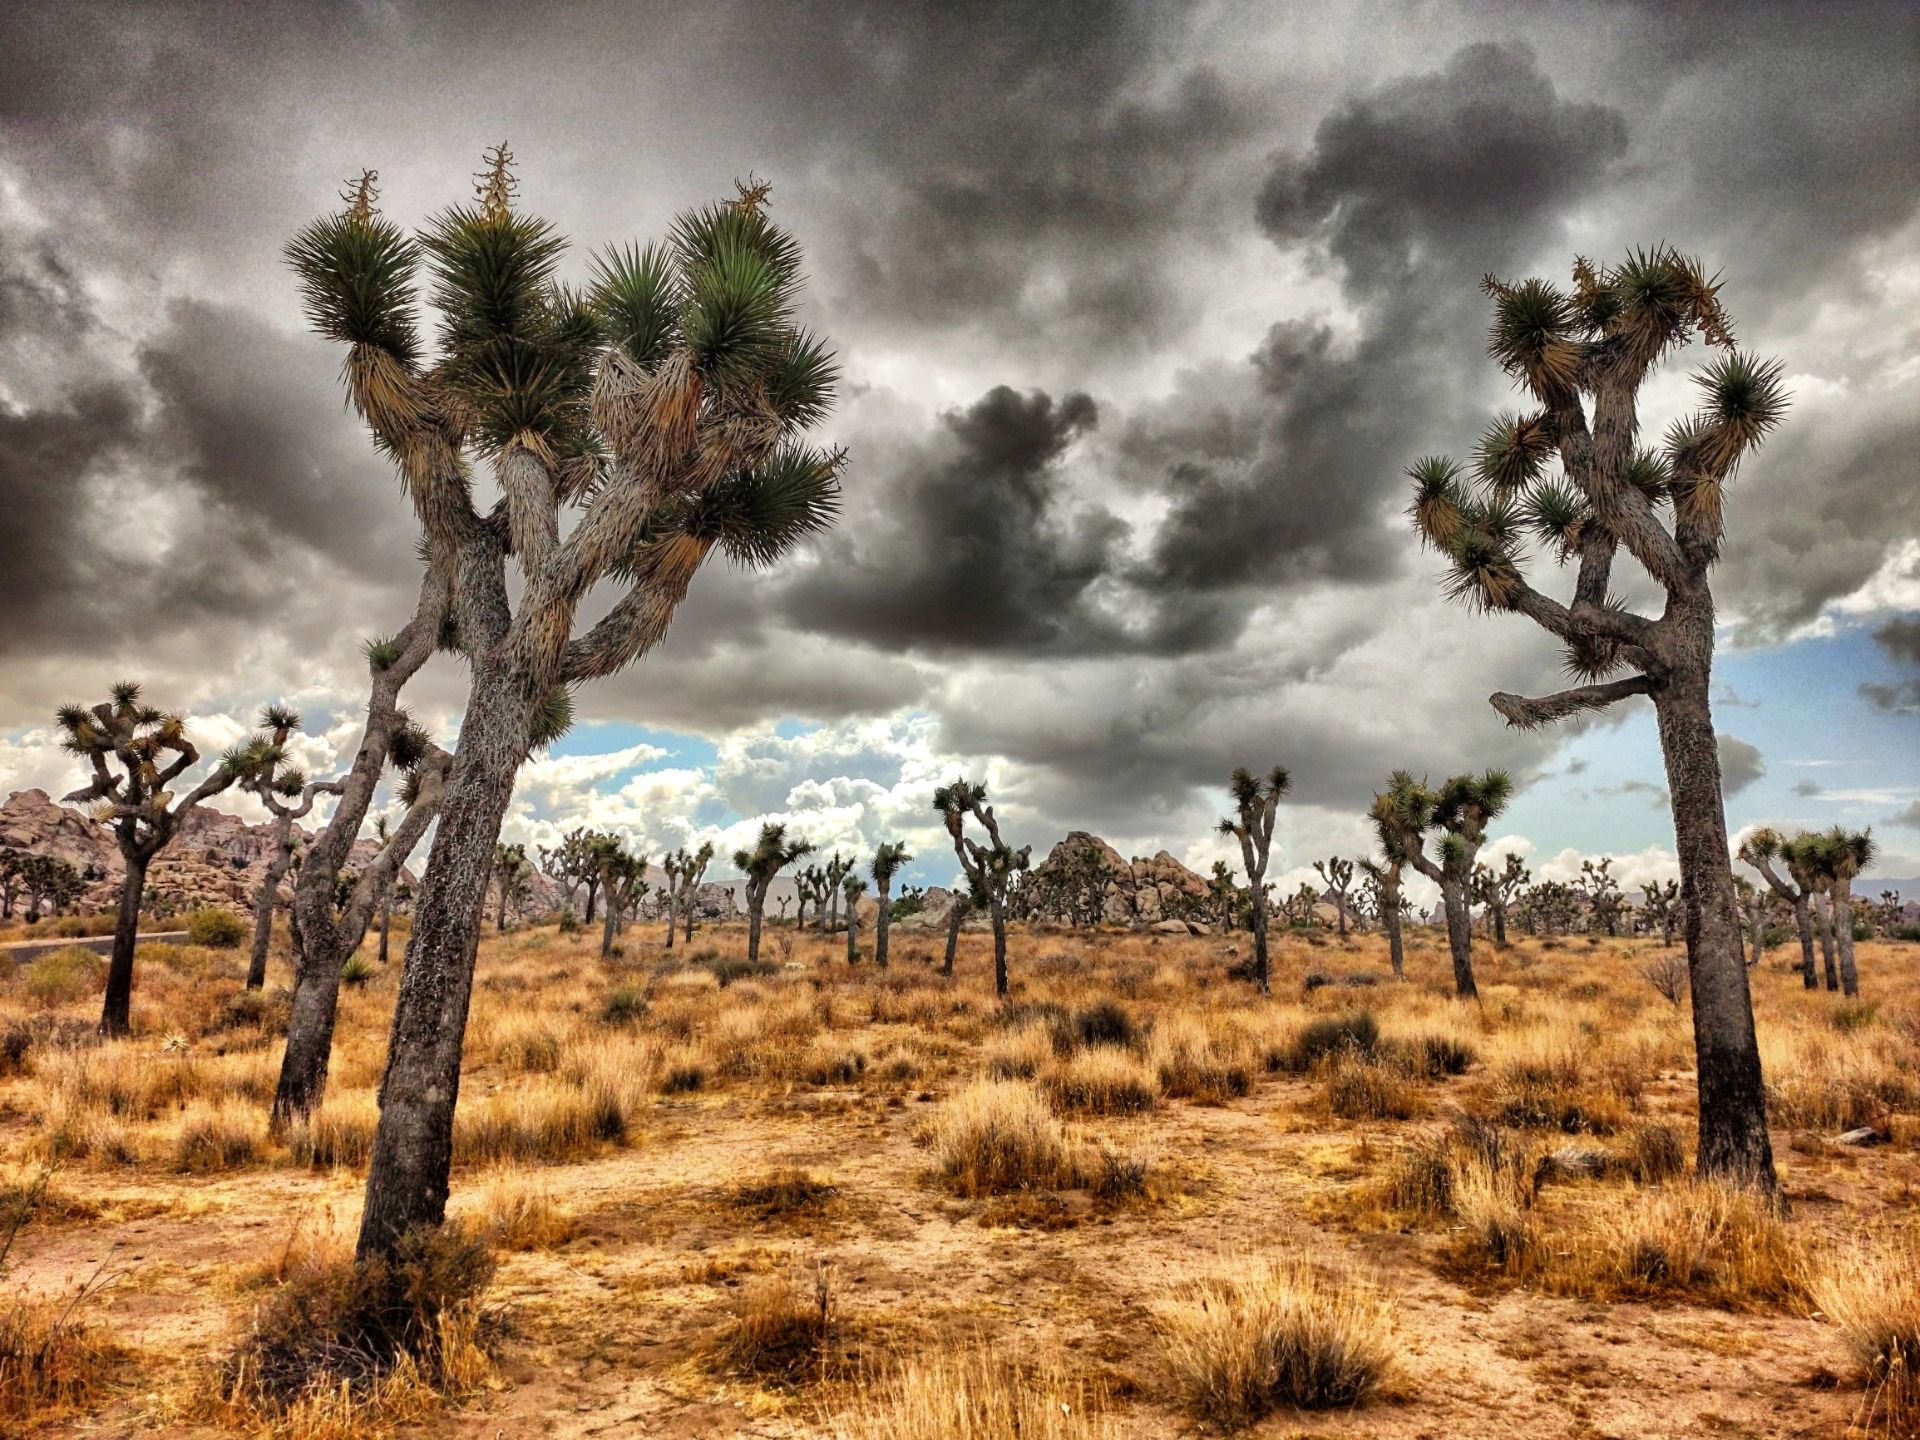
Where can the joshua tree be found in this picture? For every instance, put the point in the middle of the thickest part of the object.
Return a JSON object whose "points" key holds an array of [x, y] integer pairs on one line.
{"points": [[623, 883], [990, 868], [1601, 891], [50, 882], [1599, 343], [1224, 893], [152, 751], [693, 870], [853, 887], [1663, 903], [661, 408], [887, 861], [1383, 884], [1753, 908], [805, 881], [1760, 850], [12, 863], [838, 868], [1461, 810], [1337, 875], [396, 888], [684, 869], [1496, 891], [284, 791], [572, 863], [1549, 906], [771, 854], [956, 916], [1839, 855], [1256, 802], [509, 872]]}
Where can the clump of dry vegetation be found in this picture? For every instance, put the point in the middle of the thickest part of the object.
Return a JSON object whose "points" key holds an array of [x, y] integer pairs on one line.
{"points": [[1276, 1332], [974, 1395]]}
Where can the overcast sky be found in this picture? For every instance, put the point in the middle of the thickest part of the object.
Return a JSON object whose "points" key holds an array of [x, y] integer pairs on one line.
{"points": [[1143, 311]]}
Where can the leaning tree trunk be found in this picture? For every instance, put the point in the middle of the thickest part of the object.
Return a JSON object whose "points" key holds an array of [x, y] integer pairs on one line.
{"points": [[686, 916], [1803, 922], [593, 892], [756, 906], [610, 926], [1261, 981], [998, 910], [500, 917], [1390, 922], [1734, 1144], [1453, 899], [1499, 913], [955, 914], [671, 917], [1757, 936], [264, 903], [116, 1012], [386, 922], [1843, 939], [853, 930], [1825, 914], [880, 931], [413, 1146]]}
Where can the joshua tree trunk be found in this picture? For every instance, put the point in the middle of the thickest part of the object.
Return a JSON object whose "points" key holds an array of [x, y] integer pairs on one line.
{"points": [[1825, 914], [386, 922], [610, 928], [686, 918], [880, 928], [1259, 929], [1803, 922], [1390, 922], [278, 858], [671, 917], [593, 892], [1734, 1144], [500, 916], [1757, 936], [413, 1147], [1453, 899], [755, 905], [1499, 913], [997, 908], [853, 929], [116, 1013], [1843, 938], [955, 914]]}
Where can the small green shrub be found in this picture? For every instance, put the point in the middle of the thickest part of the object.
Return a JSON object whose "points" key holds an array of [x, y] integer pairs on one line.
{"points": [[1355, 1033], [215, 928], [624, 1005], [358, 970], [60, 977]]}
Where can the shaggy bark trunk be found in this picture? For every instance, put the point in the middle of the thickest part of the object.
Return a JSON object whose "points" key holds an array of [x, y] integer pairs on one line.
{"points": [[1843, 938], [1261, 979], [1390, 922], [413, 1146], [998, 910], [1453, 899], [853, 929], [500, 917], [671, 917], [1825, 912], [1803, 922], [116, 1012], [386, 922], [686, 916], [755, 904], [880, 930], [278, 858], [1734, 1144], [607, 930], [1499, 913], [1757, 937], [593, 892], [955, 914]]}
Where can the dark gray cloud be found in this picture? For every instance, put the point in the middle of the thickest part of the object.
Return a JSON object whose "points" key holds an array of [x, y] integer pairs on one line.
{"points": [[1909, 817], [1900, 638], [1741, 763], [1902, 698]]}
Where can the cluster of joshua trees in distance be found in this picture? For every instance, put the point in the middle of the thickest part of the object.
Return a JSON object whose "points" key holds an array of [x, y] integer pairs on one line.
{"points": [[661, 415]]}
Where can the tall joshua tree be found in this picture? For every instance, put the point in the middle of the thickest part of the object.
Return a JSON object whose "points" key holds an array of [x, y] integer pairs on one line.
{"points": [[509, 874], [285, 792], [1383, 881], [771, 854], [1495, 890], [1582, 356], [693, 871], [1841, 855], [1256, 801], [887, 862], [672, 864], [1460, 809], [623, 883], [574, 863], [1337, 875], [853, 887], [1663, 903], [1601, 889], [152, 752], [990, 868], [661, 409], [957, 913], [1224, 893], [1760, 850], [838, 868], [326, 930]]}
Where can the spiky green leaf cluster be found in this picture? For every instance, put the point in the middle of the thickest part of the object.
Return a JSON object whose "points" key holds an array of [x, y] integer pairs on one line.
{"points": [[357, 282]]}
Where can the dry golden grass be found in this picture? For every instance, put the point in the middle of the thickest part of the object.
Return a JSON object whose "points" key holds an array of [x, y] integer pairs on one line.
{"points": [[649, 1151], [1276, 1332]]}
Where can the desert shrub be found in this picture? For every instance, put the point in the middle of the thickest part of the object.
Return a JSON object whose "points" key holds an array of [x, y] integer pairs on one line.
{"points": [[1283, 1334], [336, 1322], [684, 1072], [1871, 1294], [1420, 1178], [16, 1044], [255, 1009], [1103, 1080], [517, 1212], [540, 1120], [1851, 1015], [726, 969], [624, 1005], [974, 1395], [213, 1138], [1359, 1087], [124, 1080], [1667, 973], [1697, 1236], [1654, 1152], [358, 971], [1547, 1091], [1116, 1175], [780, 1329], [783, 1191], [1435, 1054], [997, 1135], [1106, 1023], [216, 928], [1192, 1065], [60, 977], [1356, 1032], [529, 1049], [1493, 1207], [339, 1133], [53, 1358], [1019, 1054]]}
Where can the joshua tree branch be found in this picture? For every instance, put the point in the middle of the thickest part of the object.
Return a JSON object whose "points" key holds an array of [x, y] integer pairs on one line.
{"points": [[1525, 714], [1596, 463]]}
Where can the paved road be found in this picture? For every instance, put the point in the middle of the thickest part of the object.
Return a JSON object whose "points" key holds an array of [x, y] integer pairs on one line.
{"points": [[21, 951]]}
